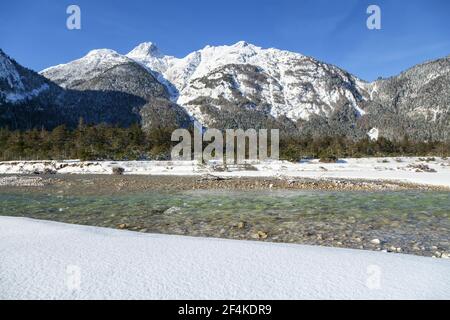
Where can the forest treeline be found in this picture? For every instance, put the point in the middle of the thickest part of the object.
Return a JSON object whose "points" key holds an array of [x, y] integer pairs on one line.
{"points": [[106, 142]]}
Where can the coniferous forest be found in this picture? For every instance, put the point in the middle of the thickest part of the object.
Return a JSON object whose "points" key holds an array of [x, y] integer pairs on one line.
{"points": [[107, 142]]}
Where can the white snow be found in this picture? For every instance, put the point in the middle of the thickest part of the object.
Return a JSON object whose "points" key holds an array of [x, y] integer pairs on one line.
{"points": [[9, 72], [399, 169], [373, 134], [15, 97], [49, 260], [88, 67], [145, 49]]}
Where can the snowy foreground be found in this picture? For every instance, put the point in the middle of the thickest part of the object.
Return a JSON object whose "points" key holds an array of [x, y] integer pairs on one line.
{"points": [[403, 169], [49, 260]]}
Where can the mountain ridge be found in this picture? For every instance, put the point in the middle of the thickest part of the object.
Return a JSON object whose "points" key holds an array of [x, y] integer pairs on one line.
{"points": [[243, 85]]}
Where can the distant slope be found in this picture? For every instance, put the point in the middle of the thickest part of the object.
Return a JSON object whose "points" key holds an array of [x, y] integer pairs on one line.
{"points": [[414, 103]]}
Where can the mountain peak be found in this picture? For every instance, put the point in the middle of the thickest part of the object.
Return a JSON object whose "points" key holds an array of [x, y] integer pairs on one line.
{"points": [[145, 49], [242, 44], [102, 52]]}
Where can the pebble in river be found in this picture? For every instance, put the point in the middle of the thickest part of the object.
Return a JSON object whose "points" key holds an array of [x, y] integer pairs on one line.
{"points": [[375, 241]]}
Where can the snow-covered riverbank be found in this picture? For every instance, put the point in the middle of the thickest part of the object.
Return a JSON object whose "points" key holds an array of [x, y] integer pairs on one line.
{"points": [[429, 171], [49, 260]]}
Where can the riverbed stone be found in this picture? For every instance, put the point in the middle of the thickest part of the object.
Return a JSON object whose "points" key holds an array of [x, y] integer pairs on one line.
{"points": [[375, 241]]}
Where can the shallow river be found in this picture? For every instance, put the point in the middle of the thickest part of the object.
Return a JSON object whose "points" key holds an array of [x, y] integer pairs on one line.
{"points": [[416, 222]]}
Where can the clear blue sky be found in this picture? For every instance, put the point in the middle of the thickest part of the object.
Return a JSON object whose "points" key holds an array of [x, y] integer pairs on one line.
{"points": [[35, 33]]}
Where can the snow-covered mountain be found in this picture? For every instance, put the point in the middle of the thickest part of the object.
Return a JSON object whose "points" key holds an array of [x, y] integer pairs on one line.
{"points": [[280, 83], [16, 82], [240, 85], [416, 102], [101, 87], [105, 70], [90, 66], [27, 99]]}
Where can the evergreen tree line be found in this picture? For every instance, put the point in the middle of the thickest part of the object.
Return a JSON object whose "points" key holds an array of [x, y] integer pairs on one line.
{"points": [[86, 142], [329, 148], [106, 142]]}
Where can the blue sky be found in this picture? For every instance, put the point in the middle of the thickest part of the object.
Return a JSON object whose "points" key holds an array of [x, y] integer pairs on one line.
{"points": [[413, 31]]}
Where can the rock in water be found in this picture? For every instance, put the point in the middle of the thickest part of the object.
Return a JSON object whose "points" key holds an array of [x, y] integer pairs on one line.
{"points": [[173, 210], [375, 241]]}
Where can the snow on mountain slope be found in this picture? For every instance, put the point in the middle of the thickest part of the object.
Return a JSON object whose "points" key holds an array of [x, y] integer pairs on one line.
{"points": [[13, 86], [416, 102], [15, 97], [88, 67], [290, 84], [147, 54], [9, 73], [107, 78]]}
